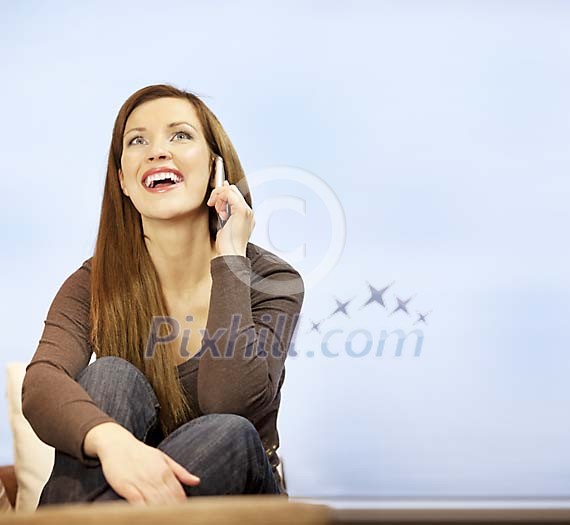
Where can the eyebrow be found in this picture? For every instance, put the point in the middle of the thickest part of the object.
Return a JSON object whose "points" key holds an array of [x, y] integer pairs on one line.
{"points": [[171, 125]]}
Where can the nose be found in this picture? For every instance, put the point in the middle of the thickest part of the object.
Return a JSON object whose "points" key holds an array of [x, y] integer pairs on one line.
{"points": [[158, 152]]}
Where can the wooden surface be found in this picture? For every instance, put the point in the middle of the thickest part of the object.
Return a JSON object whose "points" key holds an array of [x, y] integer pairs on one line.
{"points": [[268, 509], [211, 510]]}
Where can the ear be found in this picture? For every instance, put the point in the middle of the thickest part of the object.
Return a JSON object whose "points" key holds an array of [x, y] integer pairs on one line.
{"points": [[122, 182]]}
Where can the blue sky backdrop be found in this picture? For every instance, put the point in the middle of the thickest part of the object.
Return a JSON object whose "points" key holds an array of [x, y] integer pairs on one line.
{"points": [[428, 140]]}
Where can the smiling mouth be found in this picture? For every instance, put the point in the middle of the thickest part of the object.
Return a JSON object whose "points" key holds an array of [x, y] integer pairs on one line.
{"points": [[162, 180]]}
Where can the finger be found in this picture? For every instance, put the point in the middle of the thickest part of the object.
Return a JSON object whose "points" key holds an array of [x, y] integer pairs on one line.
{"points": [[225, 213], [215, 199], [221, 204], [234, 198], [226, 197], [132, 495], [212, 198], [229, 204], [181, 473], [235, 189], [216, 192], [174, 487]]}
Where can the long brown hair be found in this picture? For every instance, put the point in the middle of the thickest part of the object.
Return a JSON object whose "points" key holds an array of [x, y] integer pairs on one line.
{"points": [[125, 288]]}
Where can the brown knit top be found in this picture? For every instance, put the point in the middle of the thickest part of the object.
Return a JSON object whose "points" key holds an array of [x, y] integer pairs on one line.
{"points": [[264, 290]]}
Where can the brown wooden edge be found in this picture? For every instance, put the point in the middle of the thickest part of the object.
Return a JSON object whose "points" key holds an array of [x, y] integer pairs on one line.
{"points": [[203, 510], [8, 477]]}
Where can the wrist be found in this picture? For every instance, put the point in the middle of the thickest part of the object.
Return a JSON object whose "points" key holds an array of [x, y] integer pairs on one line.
{"points": [[101, 435], [224, 253]]}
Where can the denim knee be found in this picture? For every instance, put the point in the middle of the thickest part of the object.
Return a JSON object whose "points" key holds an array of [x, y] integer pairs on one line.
{"points": [[122, 391], [231, 423], [237, 433], [106, 366], [234, 430], [112, 368], [226, 427], [234, 424]]}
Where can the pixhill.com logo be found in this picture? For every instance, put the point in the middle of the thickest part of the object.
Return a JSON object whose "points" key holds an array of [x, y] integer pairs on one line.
{"points": [[364, 342]]}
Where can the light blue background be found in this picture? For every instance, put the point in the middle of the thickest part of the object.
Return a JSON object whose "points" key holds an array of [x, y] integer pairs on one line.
{"points": [[442, 127]]}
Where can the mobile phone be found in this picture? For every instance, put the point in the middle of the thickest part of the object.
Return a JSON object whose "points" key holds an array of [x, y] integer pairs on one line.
{"points": [[219, 178]]}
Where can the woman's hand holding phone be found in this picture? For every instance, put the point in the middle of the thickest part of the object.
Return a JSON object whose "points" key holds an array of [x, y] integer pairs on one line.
{"points": [[236, 217]]}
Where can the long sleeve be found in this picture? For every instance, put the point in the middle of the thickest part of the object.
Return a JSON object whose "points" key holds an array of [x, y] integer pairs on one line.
{"points": [[237, 373], [58, 409]]}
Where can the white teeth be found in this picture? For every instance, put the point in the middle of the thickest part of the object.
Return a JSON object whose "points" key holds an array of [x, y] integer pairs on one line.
{"points": [[162, 175]]}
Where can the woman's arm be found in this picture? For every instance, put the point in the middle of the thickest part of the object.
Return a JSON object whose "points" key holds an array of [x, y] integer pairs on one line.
{"points": [[64, 416], [58, 409], [263, 304]]}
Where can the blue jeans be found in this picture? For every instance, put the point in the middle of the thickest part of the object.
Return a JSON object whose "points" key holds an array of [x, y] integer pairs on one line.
{"points": [[223, 450]]}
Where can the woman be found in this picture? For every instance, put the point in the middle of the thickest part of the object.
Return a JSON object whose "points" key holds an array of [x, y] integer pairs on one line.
{"points": [[164, 413]]}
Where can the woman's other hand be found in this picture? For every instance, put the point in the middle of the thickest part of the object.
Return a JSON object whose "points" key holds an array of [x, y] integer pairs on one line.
{"points": [[232, 239], [142, 474]]}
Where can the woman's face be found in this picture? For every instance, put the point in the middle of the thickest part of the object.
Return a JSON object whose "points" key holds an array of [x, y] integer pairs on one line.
{"points": [[161, 144]]}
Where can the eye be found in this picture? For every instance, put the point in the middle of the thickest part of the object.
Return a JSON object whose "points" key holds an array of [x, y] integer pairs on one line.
{"points": [[133, 140], [183, 133]]}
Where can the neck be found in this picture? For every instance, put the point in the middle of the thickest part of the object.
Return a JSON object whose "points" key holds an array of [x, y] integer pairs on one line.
{"points": [[181, 250]]}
